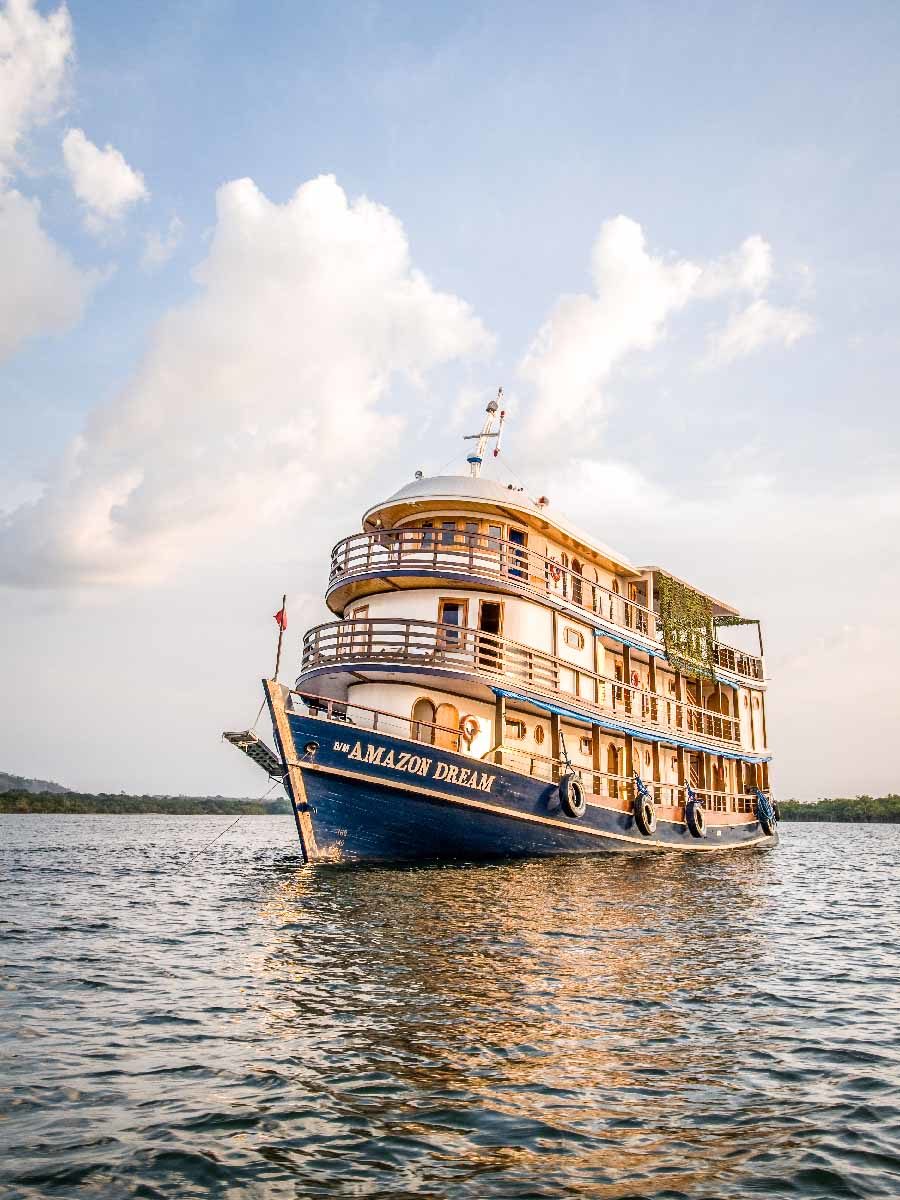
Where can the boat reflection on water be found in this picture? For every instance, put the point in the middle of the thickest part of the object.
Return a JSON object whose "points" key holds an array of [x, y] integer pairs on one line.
{"points": [[573, 1022]]}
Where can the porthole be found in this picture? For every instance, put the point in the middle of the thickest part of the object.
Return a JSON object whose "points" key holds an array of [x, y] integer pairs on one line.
{"points": [[539, 734]]}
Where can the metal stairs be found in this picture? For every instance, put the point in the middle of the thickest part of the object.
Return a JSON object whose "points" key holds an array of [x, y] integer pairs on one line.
{"points": [[257, 750]]}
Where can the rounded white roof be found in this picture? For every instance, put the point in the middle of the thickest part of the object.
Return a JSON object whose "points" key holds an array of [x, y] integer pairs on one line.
{"points": [[440, 488]]}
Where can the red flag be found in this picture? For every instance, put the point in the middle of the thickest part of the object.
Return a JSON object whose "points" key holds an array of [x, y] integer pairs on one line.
{"points": [[281, 618]]}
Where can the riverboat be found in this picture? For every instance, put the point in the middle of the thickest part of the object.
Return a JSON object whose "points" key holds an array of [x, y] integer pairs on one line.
{"points": [[498, 682]]}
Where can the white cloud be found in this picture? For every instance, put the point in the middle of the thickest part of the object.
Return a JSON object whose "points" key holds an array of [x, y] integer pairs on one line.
{"points": [[159, 247], [586, 337], [42, 289], [35, 53], [101, 179], [760, 324], [259, 395], [749, 269]]}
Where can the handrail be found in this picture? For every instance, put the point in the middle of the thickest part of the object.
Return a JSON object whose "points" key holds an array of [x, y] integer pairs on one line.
{"points": [[454, 551], [419, 642], [601, 782]]}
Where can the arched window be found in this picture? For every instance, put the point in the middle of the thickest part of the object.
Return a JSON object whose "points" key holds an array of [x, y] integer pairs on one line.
{"points": [[577, 571], [612, 767], [423, 721]]}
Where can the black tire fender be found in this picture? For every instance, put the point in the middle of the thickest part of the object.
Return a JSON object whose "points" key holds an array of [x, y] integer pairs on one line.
{"points": [[644, 815], [571, 795], [696, 818]]}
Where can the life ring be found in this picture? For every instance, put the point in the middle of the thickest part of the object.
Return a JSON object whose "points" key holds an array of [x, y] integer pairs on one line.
{"points": [[696, 818], [571, 794], [555, 571], [644, 814], [470, 729]]}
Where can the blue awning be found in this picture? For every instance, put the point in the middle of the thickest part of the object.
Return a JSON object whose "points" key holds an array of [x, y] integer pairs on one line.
{"points": [[644, 735]]}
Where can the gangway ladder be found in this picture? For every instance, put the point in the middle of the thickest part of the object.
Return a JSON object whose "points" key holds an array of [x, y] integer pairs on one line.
{"points": [[257, 751]]}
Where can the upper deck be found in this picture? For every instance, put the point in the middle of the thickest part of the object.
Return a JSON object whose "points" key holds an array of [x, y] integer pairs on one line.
{"points": [[478, 533]]}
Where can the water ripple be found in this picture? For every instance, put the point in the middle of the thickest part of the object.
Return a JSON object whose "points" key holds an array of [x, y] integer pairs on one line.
{"points": [[238, 1026]]}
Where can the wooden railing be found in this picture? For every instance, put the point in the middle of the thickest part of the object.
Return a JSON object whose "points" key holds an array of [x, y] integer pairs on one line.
{"points": [[452, 552], [516, 758], [430, 644], [738, 661]]}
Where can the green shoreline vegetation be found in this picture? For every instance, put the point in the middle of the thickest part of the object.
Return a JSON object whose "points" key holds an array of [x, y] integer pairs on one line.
{"points": [[21, 801], [859, 809]]}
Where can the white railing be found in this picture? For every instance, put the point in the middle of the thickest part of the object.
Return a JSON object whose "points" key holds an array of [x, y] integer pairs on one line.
{"points": [[450, 553], [428, 644]]}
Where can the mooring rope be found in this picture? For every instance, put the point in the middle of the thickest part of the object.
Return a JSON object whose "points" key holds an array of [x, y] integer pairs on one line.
{"points": [[265, 794], [215, 839]]}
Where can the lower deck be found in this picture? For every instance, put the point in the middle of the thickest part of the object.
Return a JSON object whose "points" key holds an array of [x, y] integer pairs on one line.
{"points": [[370, 784]]}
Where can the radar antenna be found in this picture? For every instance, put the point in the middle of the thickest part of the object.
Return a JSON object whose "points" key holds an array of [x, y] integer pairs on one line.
{"points": [[476, 458]]}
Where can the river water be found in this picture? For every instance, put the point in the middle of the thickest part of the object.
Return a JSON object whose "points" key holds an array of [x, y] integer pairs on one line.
{"points": [[232, 1024]]}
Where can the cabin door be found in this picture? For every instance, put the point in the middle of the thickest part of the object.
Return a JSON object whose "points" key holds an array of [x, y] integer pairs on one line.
{"points": [[361, 636], [490, 624], [694, 774], [446, 735], [517, 559], [612, 771]]}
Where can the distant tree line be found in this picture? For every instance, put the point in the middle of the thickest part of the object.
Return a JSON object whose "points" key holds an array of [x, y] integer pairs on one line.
{"points": [[875, 809], [82, 802]]}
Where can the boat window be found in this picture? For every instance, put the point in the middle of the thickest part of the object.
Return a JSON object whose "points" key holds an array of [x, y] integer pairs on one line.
{"points": [[448, 533], [574, 638], [472, 533], [517, 557], [539, 734], [452, 613], [423, 720], [585, 745], [515, 728], [495, 532], [427, 533]]}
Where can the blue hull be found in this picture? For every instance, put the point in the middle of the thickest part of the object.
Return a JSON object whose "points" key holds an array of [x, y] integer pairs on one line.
{"points": [[372, 797]]}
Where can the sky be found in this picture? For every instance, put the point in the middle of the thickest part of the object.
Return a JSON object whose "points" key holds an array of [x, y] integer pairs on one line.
{"points": [[261, 263]]}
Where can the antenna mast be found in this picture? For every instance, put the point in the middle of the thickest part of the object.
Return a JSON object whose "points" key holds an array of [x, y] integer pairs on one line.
{"points": [[476, 458]]}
